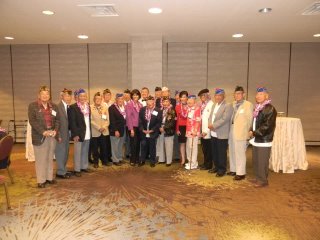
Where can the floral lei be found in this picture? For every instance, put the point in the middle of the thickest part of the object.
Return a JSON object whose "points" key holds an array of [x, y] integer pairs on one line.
{"points": [[165, 111], [259, 107], [148, 113], [203, 105], [184, 110], [137, 106], [123, 113], [84, 109]]}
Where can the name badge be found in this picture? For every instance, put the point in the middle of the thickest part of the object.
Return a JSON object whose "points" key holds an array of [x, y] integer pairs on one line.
{"points": [[155, 113], [53, 112], [241, 111], [104, 117], [190, 115]]}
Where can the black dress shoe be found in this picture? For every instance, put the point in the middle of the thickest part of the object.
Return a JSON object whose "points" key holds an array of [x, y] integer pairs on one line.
{"points": [[220, 174], [231, 173], [90, 161], [152, 165], [168, 165], [239, 177], [77, 174], [41, 185], [117, 164], [86, 170], [63, 176], [260, 185], [161, 162], [107, 164], [204, 168], [53, 181], [141, 164], [212, 170]]}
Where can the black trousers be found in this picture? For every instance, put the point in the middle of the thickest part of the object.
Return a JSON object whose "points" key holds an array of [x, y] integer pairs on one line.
{"points": [[207, 152], [219, 154], [99, 149], [135, 145], [148, 145], [108, 145]]}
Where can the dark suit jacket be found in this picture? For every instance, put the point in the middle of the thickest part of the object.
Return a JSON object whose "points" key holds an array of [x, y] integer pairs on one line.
{"points": [[117, 121], [155, 122], [64, 125], [76, 122], [38, 124], [172, 101]]}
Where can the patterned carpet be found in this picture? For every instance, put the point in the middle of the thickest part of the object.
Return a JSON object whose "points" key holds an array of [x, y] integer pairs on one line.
{"points": [[161, 203]]}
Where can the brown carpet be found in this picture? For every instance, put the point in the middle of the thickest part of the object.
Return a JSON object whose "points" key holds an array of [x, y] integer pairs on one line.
{"points": [[161, 203]]}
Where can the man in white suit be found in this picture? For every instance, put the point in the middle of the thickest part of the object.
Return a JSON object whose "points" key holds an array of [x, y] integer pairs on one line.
{"points": [[206, 105], [240, 125]]}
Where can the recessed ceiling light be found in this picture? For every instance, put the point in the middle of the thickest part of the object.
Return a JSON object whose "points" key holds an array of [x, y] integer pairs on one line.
{"points": [[83, 36], [9, 38], [265, 10], [155, 10], [317, 35], [47, 12], [237, 35]]}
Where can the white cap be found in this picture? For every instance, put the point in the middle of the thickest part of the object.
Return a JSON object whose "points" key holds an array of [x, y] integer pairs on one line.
{"points": [[165, 89]]}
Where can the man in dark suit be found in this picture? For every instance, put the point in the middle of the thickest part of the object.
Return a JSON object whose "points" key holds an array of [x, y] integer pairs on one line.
{"points": [[44, 120], [62, 147], [79, 123], [150, 118], [117, 116]]}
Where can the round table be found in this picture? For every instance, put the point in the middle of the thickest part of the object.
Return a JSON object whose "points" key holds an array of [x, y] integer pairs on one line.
{"points": [[288, 151]]}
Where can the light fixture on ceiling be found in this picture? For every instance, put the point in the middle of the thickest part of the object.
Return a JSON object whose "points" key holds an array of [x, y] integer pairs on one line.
{"points": [[237, 35], [47, 12], [316, 35], [9, 38], [265, 10], [83, 36], [155, 10]]}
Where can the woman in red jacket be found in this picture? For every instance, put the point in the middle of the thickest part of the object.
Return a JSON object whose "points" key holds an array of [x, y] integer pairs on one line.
{"points": [[182, 114]]}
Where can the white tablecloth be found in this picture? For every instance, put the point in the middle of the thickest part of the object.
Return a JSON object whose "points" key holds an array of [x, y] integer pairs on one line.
{"points": [[288, 151], [29, 146]]}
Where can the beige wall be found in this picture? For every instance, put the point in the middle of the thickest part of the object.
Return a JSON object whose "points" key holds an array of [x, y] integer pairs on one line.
{"points": [[6, 103], [227, 66], [30, 64], [269, 67], [187, 66], [108, 67], [304, 94], [146, 59], [69, 68], [290, 71]]}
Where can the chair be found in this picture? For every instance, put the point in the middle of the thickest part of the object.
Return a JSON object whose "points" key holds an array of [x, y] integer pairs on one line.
{"points": [[6, 144], [3, 182]]}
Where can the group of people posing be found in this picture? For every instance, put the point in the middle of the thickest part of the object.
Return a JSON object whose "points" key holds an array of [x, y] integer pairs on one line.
{"points": [[147, 127]]}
